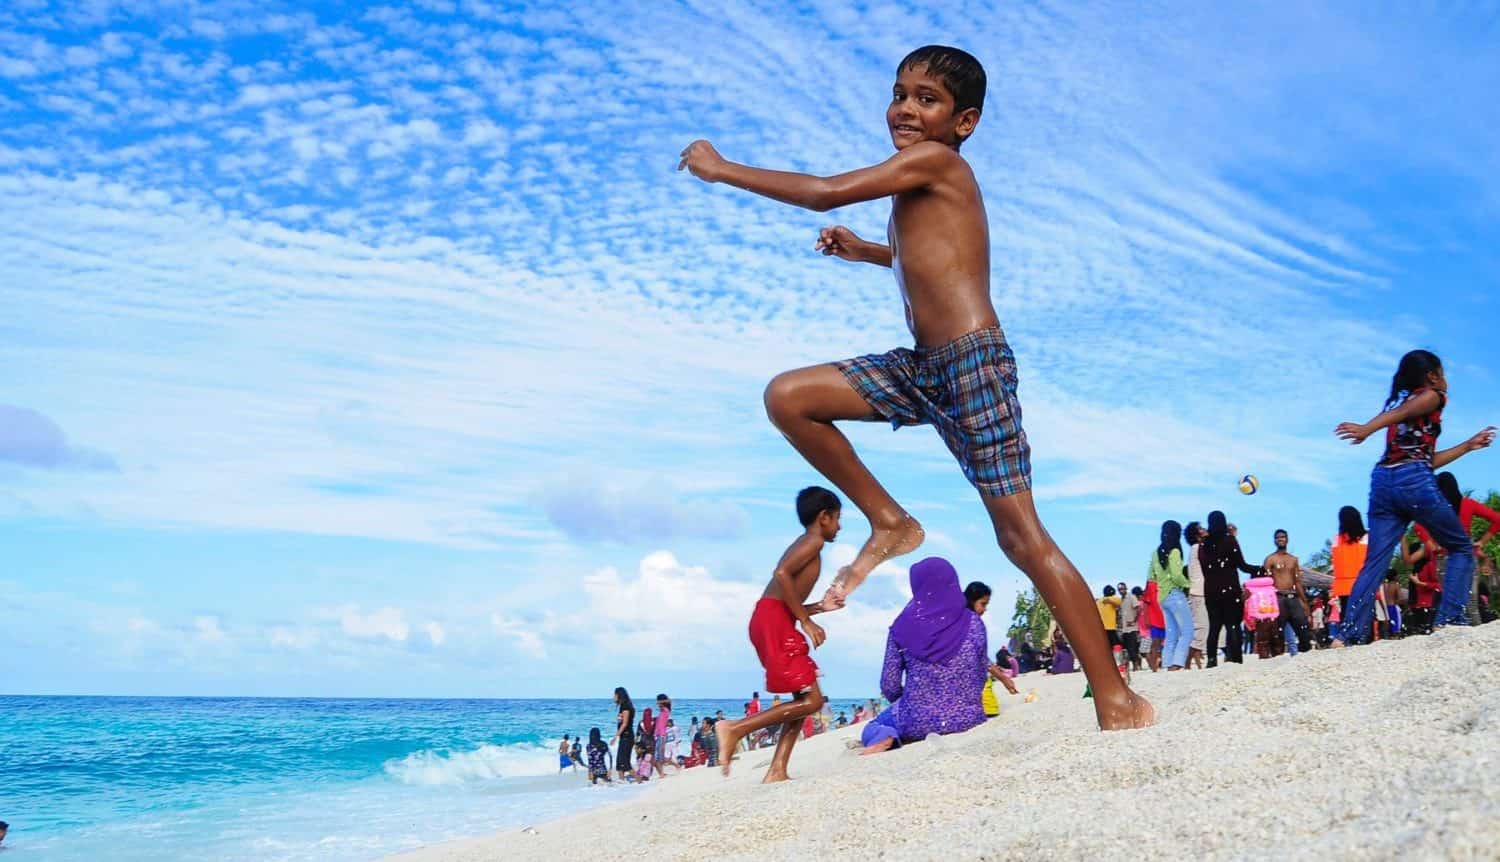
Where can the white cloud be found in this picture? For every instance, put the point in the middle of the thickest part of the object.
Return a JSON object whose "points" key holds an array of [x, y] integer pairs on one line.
{"points": [[389, 623], [436, 634], [524, 637], [291, 637]]}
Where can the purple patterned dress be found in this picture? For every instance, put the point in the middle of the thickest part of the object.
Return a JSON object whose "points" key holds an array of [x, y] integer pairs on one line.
{"points": [[936, 698]]}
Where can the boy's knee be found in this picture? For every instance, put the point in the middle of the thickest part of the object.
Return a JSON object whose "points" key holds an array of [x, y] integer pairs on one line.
{"points": [[1020, 549], [778, 398]]}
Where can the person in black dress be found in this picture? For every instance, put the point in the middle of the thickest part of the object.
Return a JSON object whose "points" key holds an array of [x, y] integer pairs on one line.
{"points": [[1222, 562], [624, 732]]}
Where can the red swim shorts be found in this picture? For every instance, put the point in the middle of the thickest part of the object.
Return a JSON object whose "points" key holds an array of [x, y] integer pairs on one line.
{"points": [[782, 649]]}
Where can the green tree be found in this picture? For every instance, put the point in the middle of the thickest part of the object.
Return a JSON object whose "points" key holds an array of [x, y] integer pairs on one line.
{"points": [[1031, 615], [1322, 561]]}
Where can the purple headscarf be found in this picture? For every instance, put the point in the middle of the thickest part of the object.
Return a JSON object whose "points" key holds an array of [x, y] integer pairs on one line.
{"points": [[933, 624]]}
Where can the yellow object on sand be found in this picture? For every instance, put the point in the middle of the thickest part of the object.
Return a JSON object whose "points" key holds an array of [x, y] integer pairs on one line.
{"points": [[988, 700], [1031, 696]]}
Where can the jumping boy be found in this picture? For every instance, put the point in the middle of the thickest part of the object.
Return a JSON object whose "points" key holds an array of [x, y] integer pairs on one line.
{"points": [[782, 651], [961, 377]]}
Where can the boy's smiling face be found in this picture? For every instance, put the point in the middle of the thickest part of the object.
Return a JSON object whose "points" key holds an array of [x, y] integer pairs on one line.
{"points": [[921, 109]]}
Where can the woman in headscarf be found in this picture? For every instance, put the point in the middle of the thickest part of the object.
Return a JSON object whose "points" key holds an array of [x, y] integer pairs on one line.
{"points": [[936, 662], [1222, 560]]}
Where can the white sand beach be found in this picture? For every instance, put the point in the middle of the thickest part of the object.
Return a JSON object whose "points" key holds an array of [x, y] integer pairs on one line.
{"points": [[1380, 752]]}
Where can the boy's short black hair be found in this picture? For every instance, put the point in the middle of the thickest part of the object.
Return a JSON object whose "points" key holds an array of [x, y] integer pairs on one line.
{"points": [[813, 501], [959, 71]]}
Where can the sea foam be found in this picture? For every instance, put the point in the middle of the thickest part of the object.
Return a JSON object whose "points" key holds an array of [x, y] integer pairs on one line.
{"points": [[431, 768]]}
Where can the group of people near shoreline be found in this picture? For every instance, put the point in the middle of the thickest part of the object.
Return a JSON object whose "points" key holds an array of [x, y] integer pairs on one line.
{"points": [[641, 750]]}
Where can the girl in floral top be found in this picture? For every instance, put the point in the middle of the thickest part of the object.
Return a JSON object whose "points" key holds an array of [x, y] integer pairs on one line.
{"points": [[1403, 489], [598, 751]]}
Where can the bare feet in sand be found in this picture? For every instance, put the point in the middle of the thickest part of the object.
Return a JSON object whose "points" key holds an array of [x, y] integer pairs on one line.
{"points": [[728, 742], [903, 537], [882, 745], [774, 775], [1134, 713]]}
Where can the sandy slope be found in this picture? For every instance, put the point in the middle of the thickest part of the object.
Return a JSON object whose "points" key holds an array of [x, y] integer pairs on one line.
{"points": [[1378, 752]]}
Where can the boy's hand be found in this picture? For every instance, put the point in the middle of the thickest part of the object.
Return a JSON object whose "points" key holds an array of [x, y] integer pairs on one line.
{"points": [[1482, 440], [815, 632], [841, 242], [1354, 432], [702, 161]]}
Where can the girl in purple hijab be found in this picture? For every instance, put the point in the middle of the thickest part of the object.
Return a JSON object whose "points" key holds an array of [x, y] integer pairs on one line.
{"points": [[936, 661]]}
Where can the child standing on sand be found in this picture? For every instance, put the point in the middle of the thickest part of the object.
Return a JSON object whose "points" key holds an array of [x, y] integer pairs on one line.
{"points": [[1403, 489], [773, 631], [960, 378]]}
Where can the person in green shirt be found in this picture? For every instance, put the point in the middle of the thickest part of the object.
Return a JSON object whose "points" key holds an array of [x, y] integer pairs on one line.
{"points": [[1171, 579]]}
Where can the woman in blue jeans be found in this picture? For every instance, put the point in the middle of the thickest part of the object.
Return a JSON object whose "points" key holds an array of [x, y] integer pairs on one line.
{"points": [[1171, 579], [1402, 490]]}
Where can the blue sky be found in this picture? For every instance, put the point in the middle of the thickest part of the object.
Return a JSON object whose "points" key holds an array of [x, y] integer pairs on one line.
{"points": [[382, 352]]}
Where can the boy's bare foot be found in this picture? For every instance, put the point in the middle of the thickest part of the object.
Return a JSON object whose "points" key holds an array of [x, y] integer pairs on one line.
{"points": [[775, 775], [728, 742], [903, 537], [1133, 713]]}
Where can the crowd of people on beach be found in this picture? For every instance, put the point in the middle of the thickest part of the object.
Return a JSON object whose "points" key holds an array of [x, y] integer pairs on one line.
{"points": [[645, 749], [1188, 600]]}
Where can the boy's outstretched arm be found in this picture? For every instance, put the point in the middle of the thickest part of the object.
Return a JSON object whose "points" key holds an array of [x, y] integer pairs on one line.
{"points": [[913, 168]]}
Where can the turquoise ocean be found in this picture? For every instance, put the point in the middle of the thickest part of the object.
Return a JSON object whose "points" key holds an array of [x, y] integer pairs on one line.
{"points": [[135, 778]]}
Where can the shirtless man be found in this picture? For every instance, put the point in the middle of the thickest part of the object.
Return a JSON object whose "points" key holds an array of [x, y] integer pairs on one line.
{"points": [[1286, 571], [783, 651]]}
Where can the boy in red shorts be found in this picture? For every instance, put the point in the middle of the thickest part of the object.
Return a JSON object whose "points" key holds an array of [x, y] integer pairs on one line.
{"points": [[782, 649], [961, 376]]}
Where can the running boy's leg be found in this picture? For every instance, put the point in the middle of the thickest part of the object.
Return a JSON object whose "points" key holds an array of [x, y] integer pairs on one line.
{"points": [[1026, 544], [803, 405], [789, 733], [729, 733]]}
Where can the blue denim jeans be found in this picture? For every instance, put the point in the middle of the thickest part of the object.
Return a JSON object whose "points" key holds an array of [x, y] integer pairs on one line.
{"points": [[1398, 496], [1174, 607]]}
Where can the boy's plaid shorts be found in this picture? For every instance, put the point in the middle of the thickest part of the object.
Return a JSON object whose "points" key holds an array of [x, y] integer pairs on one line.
{"points": [[967, 390]]}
